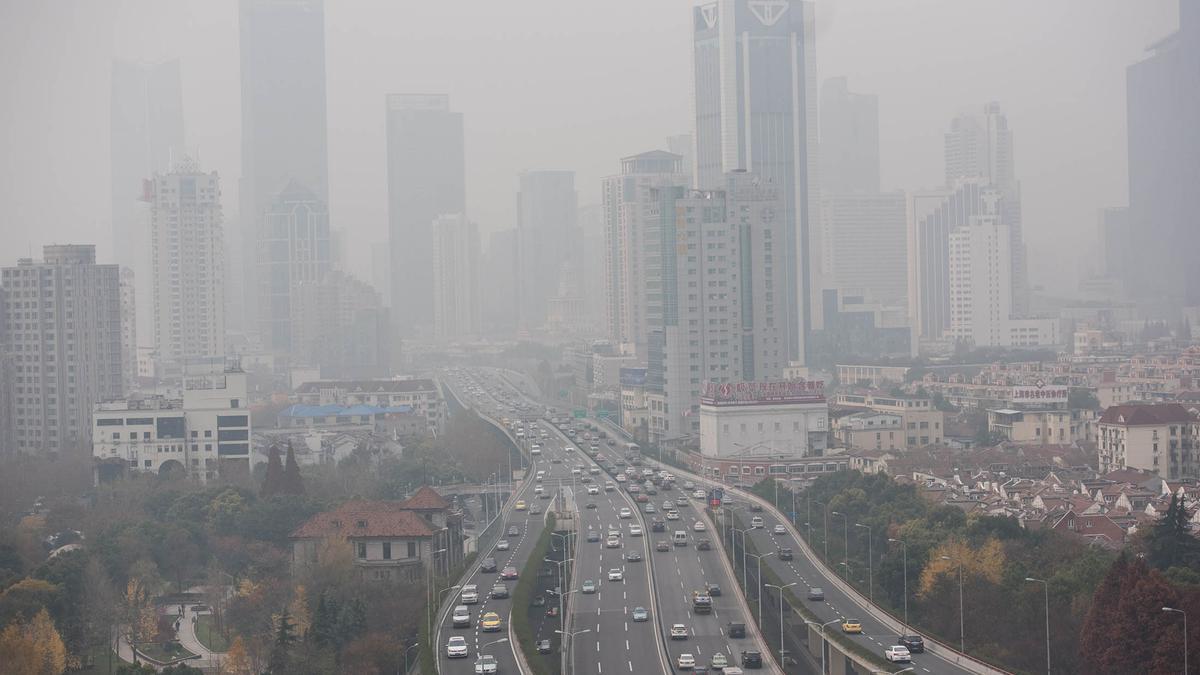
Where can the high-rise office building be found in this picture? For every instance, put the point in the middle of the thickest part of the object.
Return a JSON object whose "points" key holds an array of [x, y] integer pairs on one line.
{"points": [[62, 334], [756, 111], [145, 136], [456, 282], [499, 311], [632, 254], [188, 258], [1163, 104], [129, 340], [849, 139], [547, 239], [283, 121], [294, 248], [684, 145], [426, 178], [339, 323], [864, 245], [1114, 235]]}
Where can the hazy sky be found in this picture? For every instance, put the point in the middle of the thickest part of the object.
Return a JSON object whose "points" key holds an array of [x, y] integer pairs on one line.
{"points": [[572, 85]]}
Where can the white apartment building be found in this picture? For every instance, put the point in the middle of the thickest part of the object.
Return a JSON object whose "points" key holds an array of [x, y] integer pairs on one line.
{"points": [[1160, 438], [980, 282], [202, 435], [62, 329], [187, 255], [425, 396], [456, 308]]}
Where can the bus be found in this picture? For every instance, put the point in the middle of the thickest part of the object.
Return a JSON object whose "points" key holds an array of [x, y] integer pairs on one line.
{"points": [[631, 449]]}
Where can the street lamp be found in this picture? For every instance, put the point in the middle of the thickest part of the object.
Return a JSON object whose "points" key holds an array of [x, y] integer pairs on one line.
{"points": [[479, 654], [870, 559], [1046, 588], [846, 550], [821, 630], [758, 580], [429, 593], [1185, 635], [745, 583], [560, 585], [570, 651], [905, 545], [406, 651], [780, 589], [962, 636]]}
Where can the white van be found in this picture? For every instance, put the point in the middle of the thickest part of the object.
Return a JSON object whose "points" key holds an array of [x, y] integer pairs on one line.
{"points": [[542, 474], [756, 522], [680, 538]]}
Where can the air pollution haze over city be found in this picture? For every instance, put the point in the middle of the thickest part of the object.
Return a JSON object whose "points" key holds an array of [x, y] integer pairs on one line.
{"points": [[354, 336]]}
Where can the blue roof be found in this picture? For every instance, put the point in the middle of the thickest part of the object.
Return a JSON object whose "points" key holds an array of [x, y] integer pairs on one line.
{"points": [[300, 410]]}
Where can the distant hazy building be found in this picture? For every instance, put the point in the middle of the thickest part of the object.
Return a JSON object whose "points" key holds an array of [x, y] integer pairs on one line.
{"points": [[282, 46], [62, 333], [455, 277], [684, 145], [187, 251], [426, 178], [1163, 104], [339, 323], [1115, 236], [756, 111], [632, 243], [294, 249], [129, 341], [864, 244], [547, 238], [849, 139], [499, 294]]}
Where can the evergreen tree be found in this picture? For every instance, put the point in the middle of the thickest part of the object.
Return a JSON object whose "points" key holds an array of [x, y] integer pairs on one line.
{"points": [[1171, 543], [285, 637], [293, 483], [325, 622], [352, 622], [273, 481]]}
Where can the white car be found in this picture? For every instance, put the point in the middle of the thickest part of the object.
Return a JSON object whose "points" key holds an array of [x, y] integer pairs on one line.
{"points": [[625, 513], [456, 647], [469, 595], [502, 545], [699, 526], [897, 654], [486, 665], [699, 494], [779, 529], [679, 632], [672, 515], [612, 542], [686, 662], [615, 575], [609, 487], [593, 490], [756, 522], [635, 530]]}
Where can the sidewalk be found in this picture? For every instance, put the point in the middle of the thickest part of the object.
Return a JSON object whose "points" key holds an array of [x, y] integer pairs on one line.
{"points": [[187, 637]]}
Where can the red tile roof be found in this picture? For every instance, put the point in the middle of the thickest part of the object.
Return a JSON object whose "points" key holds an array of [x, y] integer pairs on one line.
{"points": [[1136, 415], [426, 498], [365, 519]]}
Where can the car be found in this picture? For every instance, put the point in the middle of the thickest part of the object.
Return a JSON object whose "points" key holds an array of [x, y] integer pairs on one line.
{"points": [[699, 526], [502, 545], [897, 654], [751, 658], [499, 591], [556, 460], [658, 525], [714, 589], [736, 629], [672, 515], [543, 647], [662, 546], [461, 617], [640, 614], [649, 508], [779, 529], [786, 554], [594, 470], [679, 632], [535, 510], [633, 556], [545, 495], [590, 505], [643, 499], [609, 487], [689, 485], [682, 502], [625, 513], [718, 661], [589, 586], [490, 622], [703, 544], [668, 505], [612, 542], [816, 593], [756, 522], [486, 665], [616, 575], [509, 573], [488, 565], [614, 534], [520, 505], [635, 530], [914, 643], [593, 490], [686, 662], [851, 626], [699, 494], [755, 507], [456, 647], [469, 595], [514, 531]]}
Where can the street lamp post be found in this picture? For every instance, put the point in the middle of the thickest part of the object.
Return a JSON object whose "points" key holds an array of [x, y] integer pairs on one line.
{"points": [[561, 620], [904, 544], [1185, 635], [479, 654], [962, 636], [821, 630], [846, 533], [745, 583], [1046, 589], [571, 641], [758, 580], [780, 589], [406, 651], [429, 593], [870, 560]]}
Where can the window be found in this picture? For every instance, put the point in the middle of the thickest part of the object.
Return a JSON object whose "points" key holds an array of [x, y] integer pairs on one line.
{"points": [[387, 550], [362, 550], [412, 549]]}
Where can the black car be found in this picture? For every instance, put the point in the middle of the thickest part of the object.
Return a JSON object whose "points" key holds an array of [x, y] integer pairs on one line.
{"points": [[751, 659], [736, 629], [591, 505], [755, 507], [703, 545], [714, 590], [658, 525], [633, 556], [915, 644], [593, 536], [785, 554], [543, 647], [488, 565]]}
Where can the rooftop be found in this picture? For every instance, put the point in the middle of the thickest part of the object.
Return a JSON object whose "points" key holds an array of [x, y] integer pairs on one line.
{"points": [[368, 386]]}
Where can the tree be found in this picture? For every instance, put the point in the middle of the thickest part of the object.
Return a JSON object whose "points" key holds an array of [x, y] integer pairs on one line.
{"points": [[285, 637], [1080, 398], [1170, 543], [300, 612], [273, 481], [324, 624], [100, 602], [237, 661], [33, 647], [352, 622], [293, 483], [141, 617]]}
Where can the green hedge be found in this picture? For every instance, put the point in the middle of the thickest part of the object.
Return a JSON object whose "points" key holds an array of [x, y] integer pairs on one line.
{"points": [[523, 596]]}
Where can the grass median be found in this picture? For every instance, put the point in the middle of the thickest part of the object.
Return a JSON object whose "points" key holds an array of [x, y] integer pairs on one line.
{"points": [[522, 598]]}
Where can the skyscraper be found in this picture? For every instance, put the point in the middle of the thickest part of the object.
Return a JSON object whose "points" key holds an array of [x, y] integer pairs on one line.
{"points": [[145, 135], [547, 239], [499, 311], [864, 245], [632, 253], [756, 111], [1163, 103], [188, 257], [283, 118], [294, 248], [849, 139], [426, 178], [65, 354], [456, 309]]}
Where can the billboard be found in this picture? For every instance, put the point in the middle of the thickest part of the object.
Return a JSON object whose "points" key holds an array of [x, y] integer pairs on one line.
{"points": [[763, 393], [1040, 393], [633, 377]]}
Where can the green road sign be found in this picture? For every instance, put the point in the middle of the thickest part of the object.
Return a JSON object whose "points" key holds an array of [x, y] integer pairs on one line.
{"points": [[579, 413]]}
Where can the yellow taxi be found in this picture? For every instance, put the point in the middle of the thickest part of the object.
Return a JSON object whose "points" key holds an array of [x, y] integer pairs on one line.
{"points": [[490, 622], [851, 626], [520, 505]]}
